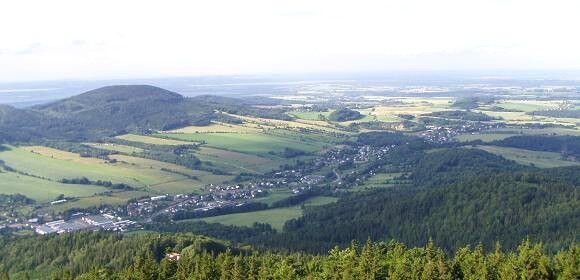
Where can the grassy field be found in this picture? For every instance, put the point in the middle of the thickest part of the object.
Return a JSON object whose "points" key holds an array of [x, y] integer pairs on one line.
{"points": [[217, 128], [172, 181], [485, 137], [116, 147], [275, 217], [56, 165], [381, 180], [42, 190], [257, 144], [528, 105], [502, 133], [289, 125], [151, 140], [527, 157], [274, 196], [523, 118], [114, 199], [311, 116], [389, 113], [235, 162], [142, 173]]}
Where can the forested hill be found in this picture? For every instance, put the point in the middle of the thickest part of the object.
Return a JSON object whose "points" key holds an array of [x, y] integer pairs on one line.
{"points": [[114, 110], [103, 256], [108, 96], [452, 202]]}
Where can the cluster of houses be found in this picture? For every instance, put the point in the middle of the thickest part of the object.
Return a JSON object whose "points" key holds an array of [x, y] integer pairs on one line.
{"points": [[166, 204], [145, 206], [82, 221], [445, 134], [239, 191]]}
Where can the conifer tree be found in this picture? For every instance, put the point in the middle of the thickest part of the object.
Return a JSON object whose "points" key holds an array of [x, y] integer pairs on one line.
{"points": [[167, 269]]}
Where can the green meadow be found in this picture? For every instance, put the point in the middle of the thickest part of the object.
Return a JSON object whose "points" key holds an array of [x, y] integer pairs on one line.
{"points": [[528, 157], [42, 190], [236, 162], [502, 133], [258, 144], [151, 140], [310, 115], [275, 217], [150, 175], [116, 147]]}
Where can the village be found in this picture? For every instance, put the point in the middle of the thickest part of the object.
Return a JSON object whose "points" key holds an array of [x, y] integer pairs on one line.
{"points": [[327, 169]]}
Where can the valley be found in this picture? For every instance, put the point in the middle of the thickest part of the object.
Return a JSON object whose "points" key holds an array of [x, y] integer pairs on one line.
{"points": [[283, 171]]}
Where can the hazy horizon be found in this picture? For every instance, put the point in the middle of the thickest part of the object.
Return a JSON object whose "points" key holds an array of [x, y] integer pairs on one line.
{"points": [[61, 40]]}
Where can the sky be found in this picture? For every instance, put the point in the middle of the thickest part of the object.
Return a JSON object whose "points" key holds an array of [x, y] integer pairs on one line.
{"points": [[97, 39]]}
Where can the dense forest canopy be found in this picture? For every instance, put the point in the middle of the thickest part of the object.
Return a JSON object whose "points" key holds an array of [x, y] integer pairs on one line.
{"points": [[103, 256], [567, 145], [344, 114]]}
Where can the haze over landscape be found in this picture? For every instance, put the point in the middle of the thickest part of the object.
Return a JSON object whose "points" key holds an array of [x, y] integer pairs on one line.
{"points": [[156, 140], [143, 39]]}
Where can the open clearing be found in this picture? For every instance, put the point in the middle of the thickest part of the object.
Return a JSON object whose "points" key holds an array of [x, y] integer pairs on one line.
{"points": [[236, 162], [381, 180], [258, 144], [390, 112], [274, 196], [502, 133], [152, 140], [529, 105], [310, 115], [216, 128], [137, 172], [42, 190], [116, 198], [116, 148], [527, 157], [275, 217], [290, 125], [524, 118]]}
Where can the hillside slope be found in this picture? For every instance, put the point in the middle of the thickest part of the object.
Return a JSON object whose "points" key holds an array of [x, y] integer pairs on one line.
{"points": [[113, 110], [452, 205]]}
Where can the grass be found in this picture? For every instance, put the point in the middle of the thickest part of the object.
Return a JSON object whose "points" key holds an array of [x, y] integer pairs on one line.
{"points": [[274, 196], [527, 157], [172, 181], [42, 190], [502, 133], [380, 180], [289, 125], [116, 147], [275, 217], [216, 128], [485, 137], [410, 106], [114, 199], [523, 117], [320, 200], [311, 115], [56, 165], [236, 162], [257, 144], [138, 172], [151, 140], [528, 105]]}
